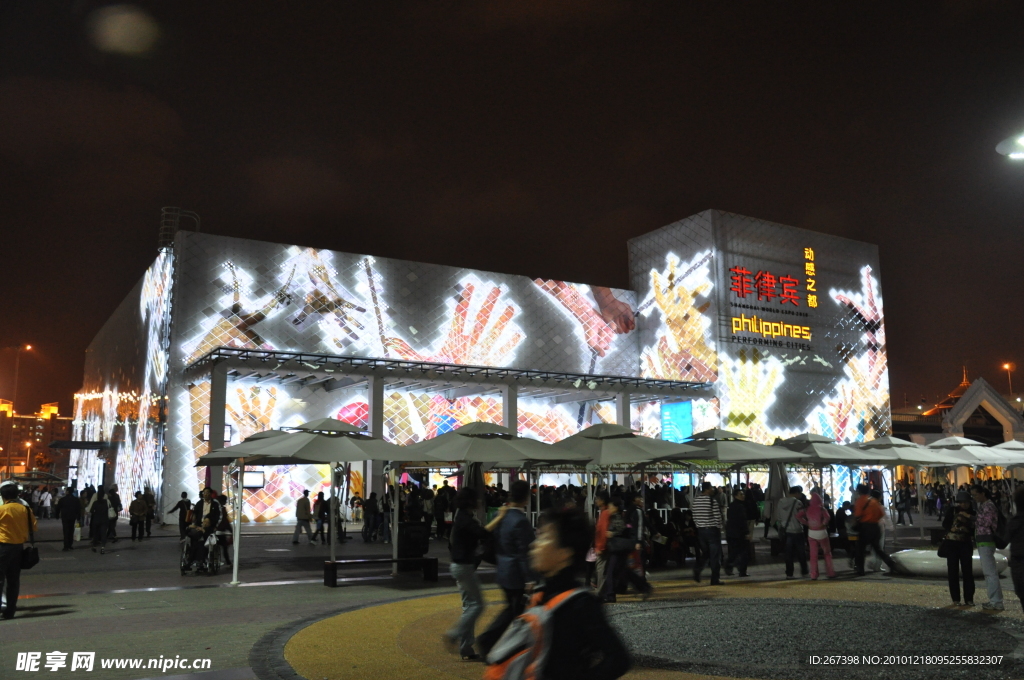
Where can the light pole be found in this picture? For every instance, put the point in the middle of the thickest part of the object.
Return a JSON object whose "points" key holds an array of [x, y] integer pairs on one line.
{"points": [[14, 397], [1009, 368]]}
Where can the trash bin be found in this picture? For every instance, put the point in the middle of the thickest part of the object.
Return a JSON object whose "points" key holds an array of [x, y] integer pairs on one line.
{"points": [[413, 541]]}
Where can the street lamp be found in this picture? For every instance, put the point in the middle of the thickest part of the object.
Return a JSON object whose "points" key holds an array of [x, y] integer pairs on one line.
{"points": [[1012, 147], [1009, 368], [14, 397]]}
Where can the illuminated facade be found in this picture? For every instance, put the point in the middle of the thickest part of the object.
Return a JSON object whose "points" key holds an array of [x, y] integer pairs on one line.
{"points": [[225, 337]]}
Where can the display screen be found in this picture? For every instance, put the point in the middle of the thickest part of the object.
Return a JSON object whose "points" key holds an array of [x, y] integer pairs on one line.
{"points": [[787, 323], [676, 421], [254, 480]]}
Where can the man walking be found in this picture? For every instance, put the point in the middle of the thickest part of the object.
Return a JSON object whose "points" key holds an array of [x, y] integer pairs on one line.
{"points": [[303, 514], [69, 509], [790, 528], [15, 520], [868, 512], [115, 502], [707, 516], [182, 506], [985, 536], [737, 534], [512, 539], [150, 498], [45, 502]]}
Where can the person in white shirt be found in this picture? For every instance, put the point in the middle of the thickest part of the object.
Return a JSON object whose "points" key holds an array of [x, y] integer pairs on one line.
{"points": [[45, 501]]}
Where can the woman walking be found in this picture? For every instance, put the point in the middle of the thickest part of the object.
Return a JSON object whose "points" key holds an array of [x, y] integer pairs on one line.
{"points": [[98, 511], [958, 547], [462, 544], [816, 518]]}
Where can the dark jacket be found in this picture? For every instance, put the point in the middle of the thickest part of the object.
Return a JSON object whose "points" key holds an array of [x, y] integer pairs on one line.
{"points": [[1015, 533], [465, 537], [68, 507], [736, 523], [512, 540], [199, 512], [583, 644]]}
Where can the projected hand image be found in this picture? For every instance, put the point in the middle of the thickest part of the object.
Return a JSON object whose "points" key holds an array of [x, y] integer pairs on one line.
{"points": [[682, 352], [253, 413], [489, 339], [598, 329], [867, 311], [235, 328]]}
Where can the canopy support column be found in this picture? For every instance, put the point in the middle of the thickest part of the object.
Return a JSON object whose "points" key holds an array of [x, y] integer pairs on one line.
{"points": [[218, 408], [622, 414], [237, 524], [375, 425], [510, 407]]}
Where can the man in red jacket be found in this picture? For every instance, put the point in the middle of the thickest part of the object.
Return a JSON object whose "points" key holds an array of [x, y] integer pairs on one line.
{"points": [[869, 512]]}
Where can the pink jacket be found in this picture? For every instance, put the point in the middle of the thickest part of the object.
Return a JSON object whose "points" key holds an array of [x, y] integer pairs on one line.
{"points": [[815, 516]]}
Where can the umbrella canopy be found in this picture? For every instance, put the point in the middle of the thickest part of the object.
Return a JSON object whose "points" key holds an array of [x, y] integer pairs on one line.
{"points": [[484, 443], [248, 447], [729, 447], [307, 447], [328, 426], [907, 453], [972, 453], [822, 450], [608, 445], [1012, 449]]}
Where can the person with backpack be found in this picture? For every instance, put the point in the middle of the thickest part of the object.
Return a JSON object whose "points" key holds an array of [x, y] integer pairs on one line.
{"points": [[137, 510], [513, 536], [463, 547], [986, 527], [17, 527], [564, 634]]}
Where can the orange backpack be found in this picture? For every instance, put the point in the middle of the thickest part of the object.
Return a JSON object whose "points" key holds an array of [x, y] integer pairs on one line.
{"points": [[521, 652]]}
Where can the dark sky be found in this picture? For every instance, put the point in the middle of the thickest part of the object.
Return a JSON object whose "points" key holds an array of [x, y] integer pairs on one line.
{"points": [[525, 136]]}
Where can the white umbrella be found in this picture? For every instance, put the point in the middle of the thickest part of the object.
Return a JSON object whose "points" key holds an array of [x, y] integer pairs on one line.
{"points": [[906, 453], [1013, 449], [972, 453], [608, 445], [249, 446], [822, 450], [481, 442], [730, 447]]}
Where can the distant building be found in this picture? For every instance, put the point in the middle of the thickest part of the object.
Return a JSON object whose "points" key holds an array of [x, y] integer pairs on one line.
{"points": [[972, 409], [25, 439]]}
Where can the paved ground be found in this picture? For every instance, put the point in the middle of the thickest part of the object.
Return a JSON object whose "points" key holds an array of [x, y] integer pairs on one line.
{"points": [[133, 602]]}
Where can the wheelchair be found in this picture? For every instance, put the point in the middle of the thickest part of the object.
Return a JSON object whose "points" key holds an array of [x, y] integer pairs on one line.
{"points": [[210, 565]]}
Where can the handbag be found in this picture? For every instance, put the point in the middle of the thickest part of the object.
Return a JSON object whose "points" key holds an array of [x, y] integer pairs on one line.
{"points": [[29, 553], [78, 531], [111, 513], [944, 548]]}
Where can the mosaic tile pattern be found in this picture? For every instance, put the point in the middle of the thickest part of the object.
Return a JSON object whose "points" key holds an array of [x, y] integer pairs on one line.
{"points": [[787, 322]]}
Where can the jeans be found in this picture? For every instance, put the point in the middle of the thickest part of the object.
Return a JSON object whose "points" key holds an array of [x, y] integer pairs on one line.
{"points": [[472, 605], [958, 563], [301, 524], [988, 565], [900, 513], [602, 571], [515, 603], [739, 553], [710, 540], [795, 548], [68, 524], [138, 528], [10, 575], [870, 537], [826, 549], [99, 531]]}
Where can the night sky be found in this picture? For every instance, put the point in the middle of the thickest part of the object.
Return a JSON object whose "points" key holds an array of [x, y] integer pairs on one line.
{"points": [[523, 136]]}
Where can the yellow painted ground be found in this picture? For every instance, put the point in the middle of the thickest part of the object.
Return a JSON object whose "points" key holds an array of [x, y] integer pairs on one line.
{"points": [[403, 640]]}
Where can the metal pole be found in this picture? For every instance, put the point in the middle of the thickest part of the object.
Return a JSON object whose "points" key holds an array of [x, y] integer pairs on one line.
{"points": [[331, 537], [237, 529], [394, 519]]}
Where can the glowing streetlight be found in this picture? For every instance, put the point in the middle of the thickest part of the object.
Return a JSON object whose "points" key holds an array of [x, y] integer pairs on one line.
{"points": [[1009, 368], [14, 397], [1012, 147]]}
